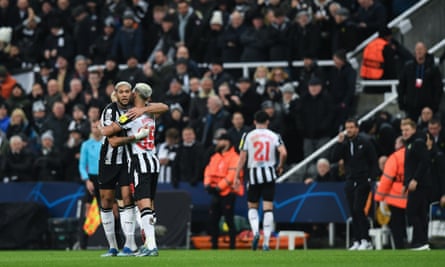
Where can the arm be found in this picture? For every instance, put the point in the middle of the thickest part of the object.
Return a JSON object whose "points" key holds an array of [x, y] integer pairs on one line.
{"points": [[152, 108], [116, 141], [110, 130], [240, 167], [83, 168], [283, 156]]}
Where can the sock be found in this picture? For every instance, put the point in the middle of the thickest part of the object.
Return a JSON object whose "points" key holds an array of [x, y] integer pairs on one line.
{"points": [[147, 222], [107, 218], [268, 225], [137, 216], [253, 221], [128, 226]]}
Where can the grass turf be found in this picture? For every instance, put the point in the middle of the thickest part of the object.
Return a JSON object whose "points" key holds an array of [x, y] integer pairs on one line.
{"points": [[226, 258]]}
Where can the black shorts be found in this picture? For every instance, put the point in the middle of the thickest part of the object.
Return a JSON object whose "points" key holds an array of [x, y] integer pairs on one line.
{"points": [[112, 175], [256, 191], [145, 186]]}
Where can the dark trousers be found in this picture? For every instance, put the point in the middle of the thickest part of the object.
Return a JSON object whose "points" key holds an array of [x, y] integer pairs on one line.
{"points": [[357, 192], [397, 224], [222, 206], [417, 214]]}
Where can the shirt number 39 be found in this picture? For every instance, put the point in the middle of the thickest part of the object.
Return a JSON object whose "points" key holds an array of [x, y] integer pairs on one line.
{"points": [[148, 143]]}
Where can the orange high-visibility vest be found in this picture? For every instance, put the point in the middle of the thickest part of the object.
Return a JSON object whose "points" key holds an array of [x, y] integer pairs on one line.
{"points": [[390, 188], [221, 171], [372, 65]]}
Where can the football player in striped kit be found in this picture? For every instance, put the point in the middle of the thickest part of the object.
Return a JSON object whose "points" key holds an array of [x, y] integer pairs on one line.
{"points": [[259, 148], [140, 137]]}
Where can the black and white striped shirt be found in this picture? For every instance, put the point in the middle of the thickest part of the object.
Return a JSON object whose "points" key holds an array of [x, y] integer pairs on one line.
{"points": [[108, 154], [261, 146]]}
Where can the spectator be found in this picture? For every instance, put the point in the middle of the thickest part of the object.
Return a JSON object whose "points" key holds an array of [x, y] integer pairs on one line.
{"points": [[62, 73], [344, 32], [154, 27], [218, 74], [4, 146], [38, 117], [189, 27], [7, 82], [304, 37], [425, 117], [58, 123], [420, 84], [237, 130], [437, 135], [183, 74], [29, 38], [128, 39], [4, 116], [360, 160], [275, 119], [53, 94], [342, 87], [192, 66], [132, 73], [417, 183], [176, 95], [278, 35], [230, 41], [198, 105], [163, 69], [166, 152], [255, 40], [279, 76], [370, 17], [58, 43], [47, 166], [260, 77], [215, 118], [81, 69], [189, 159], [246, 100], [94, 93], [73, 95], [103, 43], [110, 71], [17, 165], [323, 173], [310, 69], [42, 77], [210, 37], [70, 154], [85, 30], [323, 19], [168, 39], [79, 121], [174, 119], [315, 118], [19, 124], [19, 99]]}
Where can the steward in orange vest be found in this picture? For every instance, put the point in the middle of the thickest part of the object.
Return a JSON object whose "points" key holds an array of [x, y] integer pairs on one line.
{"points": [[390, 190], [373, 60], [219, 177]]}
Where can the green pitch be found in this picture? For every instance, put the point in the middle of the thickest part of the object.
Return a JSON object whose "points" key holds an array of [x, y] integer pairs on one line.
{"points": [[226, 258]]}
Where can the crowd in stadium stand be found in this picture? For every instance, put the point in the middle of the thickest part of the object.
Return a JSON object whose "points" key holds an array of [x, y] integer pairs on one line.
{"points": [[164, 43]]}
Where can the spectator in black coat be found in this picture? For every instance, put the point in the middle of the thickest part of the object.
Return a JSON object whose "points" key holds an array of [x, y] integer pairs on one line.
{"points": [[246, 99], [370, 17], [133, 73], [342, 87], [210, 38], [101, 46], [58, 123], [218, 74], [304, 37], [420, 84], [237, 130], [58, 43], [216, 118], [28, 37], [278, 35], [17, 162], [47, 166], [85, 30], [189, 27], [344, 31], [189, 159], [255, 40], [175, 95], [230, 41], [128, 39]]}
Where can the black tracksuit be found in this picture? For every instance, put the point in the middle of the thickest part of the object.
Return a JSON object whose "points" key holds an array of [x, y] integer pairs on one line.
{"points": [[418, 167], [361, 168]]}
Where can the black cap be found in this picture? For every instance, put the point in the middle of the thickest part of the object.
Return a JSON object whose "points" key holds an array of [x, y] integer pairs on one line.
{"points": [[267, 104], [315, 81], [79, 107], [224, 137]]}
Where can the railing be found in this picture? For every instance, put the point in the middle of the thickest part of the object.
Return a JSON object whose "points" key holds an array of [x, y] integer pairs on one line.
{"points": [[394, 23], [392, 96]]}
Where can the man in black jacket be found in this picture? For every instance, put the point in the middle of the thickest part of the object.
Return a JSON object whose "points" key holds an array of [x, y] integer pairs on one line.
{"points": [[417, 182], [420, 84], [360, 159]]}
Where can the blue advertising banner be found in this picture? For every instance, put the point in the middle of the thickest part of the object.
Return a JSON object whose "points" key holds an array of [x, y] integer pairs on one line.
{"points": [[294, 202]]}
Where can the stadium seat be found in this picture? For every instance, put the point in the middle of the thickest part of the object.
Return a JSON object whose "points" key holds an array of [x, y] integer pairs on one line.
{"points": [[378, 236], [291, 235]]}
